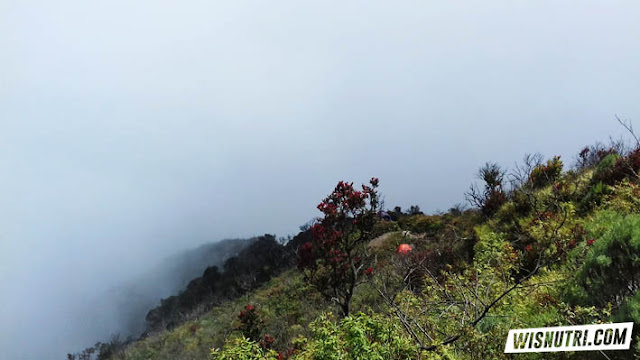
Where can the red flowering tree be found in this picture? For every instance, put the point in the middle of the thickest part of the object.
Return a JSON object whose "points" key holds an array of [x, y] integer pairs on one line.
{"points": [[335, 260]]}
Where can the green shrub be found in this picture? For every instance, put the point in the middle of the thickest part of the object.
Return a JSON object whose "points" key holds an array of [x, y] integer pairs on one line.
{"points": [[243, 349], [546, 174], [605, 171], [624, 198], [427, 224], [358, 337], [594, 197], [383, 227], [614, 168], [630, 310], [355, 337], [611, 270]]}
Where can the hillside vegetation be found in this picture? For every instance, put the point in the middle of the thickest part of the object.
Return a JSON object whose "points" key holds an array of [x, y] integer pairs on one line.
{"points": [[543, 246]]}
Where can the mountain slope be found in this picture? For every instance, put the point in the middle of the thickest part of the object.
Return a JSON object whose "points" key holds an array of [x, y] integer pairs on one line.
{"points": [[557, 248]]}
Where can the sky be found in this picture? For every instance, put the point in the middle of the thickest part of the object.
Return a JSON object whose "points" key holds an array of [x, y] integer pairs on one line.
{"points": [[132, 130]]}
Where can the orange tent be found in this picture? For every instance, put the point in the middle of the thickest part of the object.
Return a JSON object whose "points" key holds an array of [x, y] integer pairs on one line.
{"points": [[404, 249]]}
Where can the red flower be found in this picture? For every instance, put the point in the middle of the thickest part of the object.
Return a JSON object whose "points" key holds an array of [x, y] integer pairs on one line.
{"points": [[248, 308], [590, 242], [369, 271], [528, 247], [267, 341]]}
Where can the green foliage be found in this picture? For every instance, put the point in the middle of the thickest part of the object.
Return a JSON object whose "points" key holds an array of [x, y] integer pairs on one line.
{"points": [[492, 250], [611, 269], [287, 305], [614, 168], [422, 224], [242, 348], [545, 174], [605, 172], [606, 165], [630, 310], [553, 233], [624, 198], [383, 227], [594, 196], [358, 337], [592, 155]]}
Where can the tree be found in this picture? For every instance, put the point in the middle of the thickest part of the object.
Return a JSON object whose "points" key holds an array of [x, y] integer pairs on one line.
{"points": [[493, 196], [415, 210], [333, 261]]}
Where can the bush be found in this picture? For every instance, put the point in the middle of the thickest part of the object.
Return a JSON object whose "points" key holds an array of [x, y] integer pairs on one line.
{"points": [[614, 168], [611, 270], [605, 171], [628, 166], [250, 323], [592, 155], [358, 337], [546, 174], [630, 310], [422, 224], [430, 262], [624, 198], [243, 349], [383, 227]]}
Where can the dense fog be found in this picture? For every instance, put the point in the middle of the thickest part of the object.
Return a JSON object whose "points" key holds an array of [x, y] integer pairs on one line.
{"points": [[134, 131]]}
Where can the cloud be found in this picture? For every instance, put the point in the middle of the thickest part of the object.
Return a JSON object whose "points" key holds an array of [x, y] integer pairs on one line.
{"points": [[132, 130]]}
